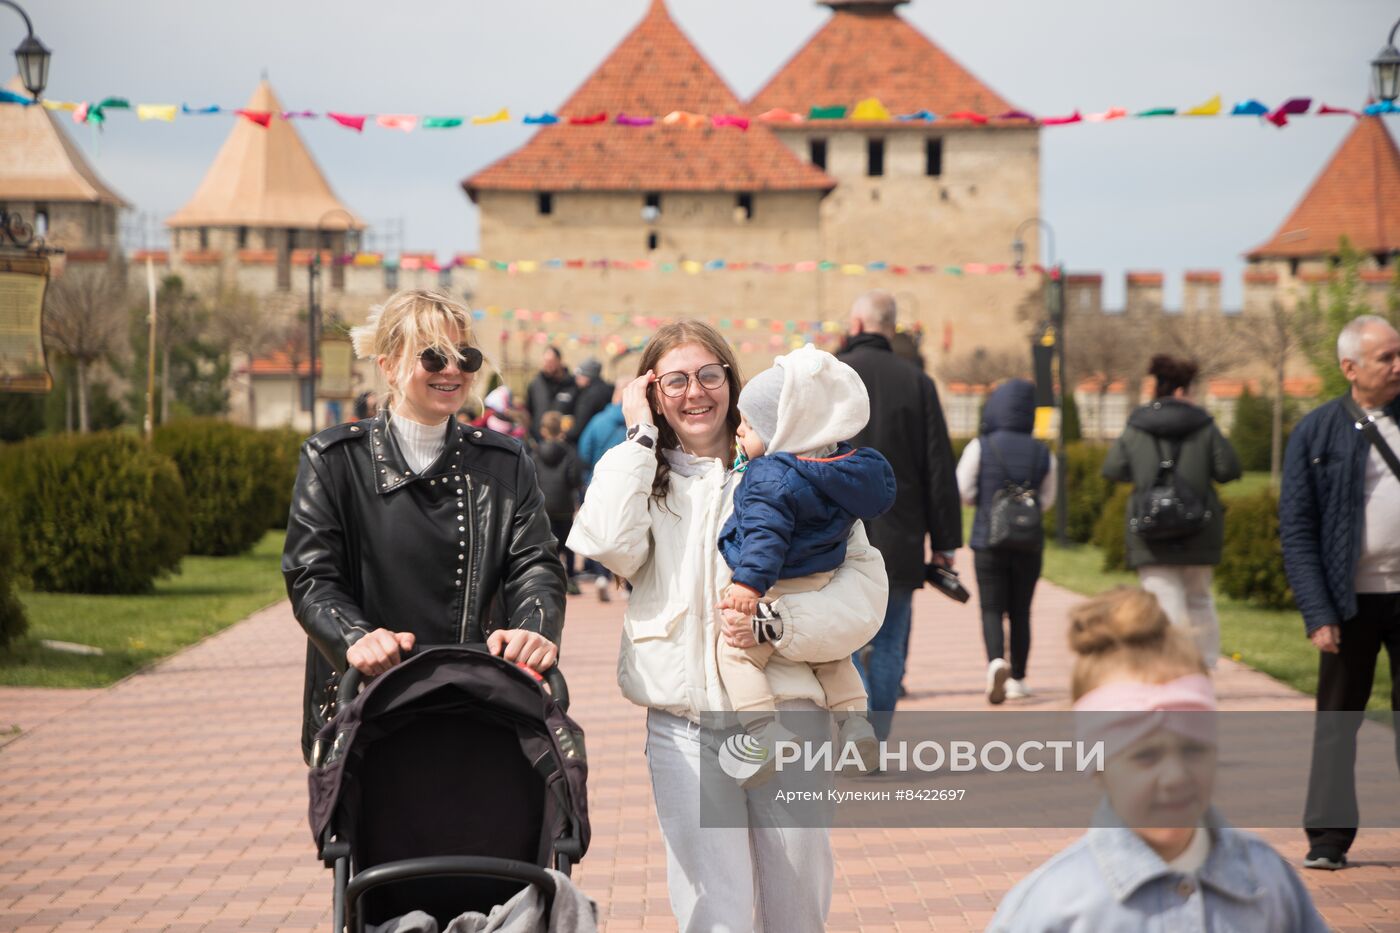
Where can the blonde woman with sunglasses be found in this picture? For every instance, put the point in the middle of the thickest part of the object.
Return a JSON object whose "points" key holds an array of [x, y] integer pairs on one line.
{"points": [[410, 528]]}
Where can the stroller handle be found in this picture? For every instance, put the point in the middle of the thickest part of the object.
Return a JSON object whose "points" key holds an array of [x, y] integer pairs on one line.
{"points": [[351, 680], [440, 865]]}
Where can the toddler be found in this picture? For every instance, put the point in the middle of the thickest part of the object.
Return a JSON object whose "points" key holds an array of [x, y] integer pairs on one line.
{"points": [[802, 490]]}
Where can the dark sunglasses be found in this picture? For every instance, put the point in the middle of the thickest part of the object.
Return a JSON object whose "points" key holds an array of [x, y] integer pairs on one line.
{"points": [[435, 361]]}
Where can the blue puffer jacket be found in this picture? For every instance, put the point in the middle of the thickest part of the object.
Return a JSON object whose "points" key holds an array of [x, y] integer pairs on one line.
{"points": [[1320, 512], [1008, 451], [792, 514]]}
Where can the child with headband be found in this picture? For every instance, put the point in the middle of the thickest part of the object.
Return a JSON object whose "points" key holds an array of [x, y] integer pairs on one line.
{"points": [[1158, 857]]}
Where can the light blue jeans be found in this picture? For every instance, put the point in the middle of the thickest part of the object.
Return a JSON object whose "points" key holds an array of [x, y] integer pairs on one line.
{"points": [[732, 880]]}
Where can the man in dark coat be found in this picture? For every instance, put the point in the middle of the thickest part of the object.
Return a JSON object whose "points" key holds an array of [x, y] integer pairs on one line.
{"points": [[593, 396], [1339, 515], [907, 426], [552, 389]]}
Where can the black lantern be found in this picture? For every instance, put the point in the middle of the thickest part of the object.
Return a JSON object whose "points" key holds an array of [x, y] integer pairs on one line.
{"points": [[31, 56], [1385, 69], [33, 61]]}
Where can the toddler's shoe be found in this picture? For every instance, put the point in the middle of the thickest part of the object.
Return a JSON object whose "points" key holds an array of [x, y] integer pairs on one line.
{"points": [[997, 673], [857, 731], [761, 753]]}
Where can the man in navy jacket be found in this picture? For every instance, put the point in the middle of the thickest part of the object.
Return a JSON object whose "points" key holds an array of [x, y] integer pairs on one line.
{"points": [[1339, 518]]}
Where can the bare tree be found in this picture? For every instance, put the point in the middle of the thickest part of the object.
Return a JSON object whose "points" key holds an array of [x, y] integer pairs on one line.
{"points": [[1273, 337], [981, 366], [85, 319], [1107, 348], [1211, 339], [245, 324]]}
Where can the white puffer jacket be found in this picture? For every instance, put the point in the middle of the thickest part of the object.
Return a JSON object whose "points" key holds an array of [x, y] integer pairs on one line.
{"points": [[670, 553]]}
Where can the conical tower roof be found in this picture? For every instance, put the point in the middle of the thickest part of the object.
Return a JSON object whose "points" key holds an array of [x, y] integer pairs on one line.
{"points": [[1357, 196], [38, 162], [865, 50], [264, 177], [654, 70]]}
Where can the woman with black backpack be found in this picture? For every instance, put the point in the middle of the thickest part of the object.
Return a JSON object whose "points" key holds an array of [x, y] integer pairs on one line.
{"points": [[1171, 451], [1010, 477]]}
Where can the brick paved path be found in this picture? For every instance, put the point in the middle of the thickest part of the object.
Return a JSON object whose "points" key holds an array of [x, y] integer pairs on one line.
{"points": [[176, 799]]}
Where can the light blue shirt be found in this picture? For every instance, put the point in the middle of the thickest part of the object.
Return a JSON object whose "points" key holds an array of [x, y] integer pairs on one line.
{"points": [[1110, 881]]}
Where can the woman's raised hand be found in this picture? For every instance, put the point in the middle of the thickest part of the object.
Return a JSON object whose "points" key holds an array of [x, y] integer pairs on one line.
{"points": [[636, 408]]}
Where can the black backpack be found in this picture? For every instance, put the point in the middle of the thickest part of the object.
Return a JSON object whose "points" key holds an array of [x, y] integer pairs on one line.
{"points": [[1014, 516], [1169, 508]]}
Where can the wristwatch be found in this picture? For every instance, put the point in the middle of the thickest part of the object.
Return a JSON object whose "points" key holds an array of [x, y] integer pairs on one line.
{"points": [[635, 433]]}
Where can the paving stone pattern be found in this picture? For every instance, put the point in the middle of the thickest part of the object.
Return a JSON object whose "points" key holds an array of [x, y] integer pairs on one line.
{"points": [[176, 800]]}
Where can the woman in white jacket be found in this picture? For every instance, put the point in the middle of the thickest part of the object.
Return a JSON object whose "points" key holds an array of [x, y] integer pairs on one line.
{"points": [[653, 515]]}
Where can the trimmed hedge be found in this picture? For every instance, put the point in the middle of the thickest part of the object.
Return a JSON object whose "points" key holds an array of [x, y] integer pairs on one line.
{"points": [[231, 482], [1251, 567], [1111, 529], [284, 451], [1086, 490], [13, 622], [96, 513]]}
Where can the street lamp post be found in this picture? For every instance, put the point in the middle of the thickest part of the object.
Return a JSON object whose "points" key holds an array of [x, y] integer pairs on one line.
{"points": [[1385, 69], [1055, 310], [31, 56], [313, 306]]}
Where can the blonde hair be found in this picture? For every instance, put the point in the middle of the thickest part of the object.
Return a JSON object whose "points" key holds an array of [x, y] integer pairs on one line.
{"points": [[1126, 631], [411, 321], [668, 338], [552, 425]]}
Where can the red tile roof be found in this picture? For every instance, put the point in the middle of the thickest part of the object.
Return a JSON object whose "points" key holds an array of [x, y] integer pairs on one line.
{"points": [[868, 51], [1357, 195], [655, 70], [279, 363]]}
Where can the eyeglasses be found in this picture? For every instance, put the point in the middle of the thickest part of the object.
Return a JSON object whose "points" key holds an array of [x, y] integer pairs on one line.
{"points": [[710, 376], [435, 361]]}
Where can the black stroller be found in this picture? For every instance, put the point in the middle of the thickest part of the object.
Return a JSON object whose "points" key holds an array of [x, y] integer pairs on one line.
{"points": [[449, 784]]}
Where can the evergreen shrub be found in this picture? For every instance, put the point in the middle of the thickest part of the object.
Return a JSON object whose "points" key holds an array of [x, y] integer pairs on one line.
{"points": [[231, 482], [1111, 529], [13, 622], [284, 451], [1251, 567], [95, 513]]}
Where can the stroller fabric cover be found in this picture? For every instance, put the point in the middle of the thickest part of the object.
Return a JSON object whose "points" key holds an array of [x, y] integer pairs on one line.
{"points": [[573, 912], [453, 752]]}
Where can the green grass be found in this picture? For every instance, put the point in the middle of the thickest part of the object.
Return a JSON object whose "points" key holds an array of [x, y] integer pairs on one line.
{"points": [[209, 594], [1247, 485]]}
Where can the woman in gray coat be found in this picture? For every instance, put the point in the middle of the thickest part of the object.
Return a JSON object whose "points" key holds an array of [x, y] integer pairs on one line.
{"points": [[1177, 571]]}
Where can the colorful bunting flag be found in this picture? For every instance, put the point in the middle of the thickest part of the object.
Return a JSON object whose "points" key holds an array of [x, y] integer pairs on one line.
{"points": [[779, 115], [164, 112], [1157, 112], [443, 123], [500, 116], [260, 117], [1016, 115], [299, 115], [871, 109], [827, 113], [10, 97], [1062, 121], [187, 110], [1112, 113], [1249, 108], [1209, 109], [967, 115], [397, 121], [623, 119], [590, 120], [60, 105], [729, 119], [544, 119], [686, 119], [349, 121], [1292, 107], [1327, 109], [927, 116]]}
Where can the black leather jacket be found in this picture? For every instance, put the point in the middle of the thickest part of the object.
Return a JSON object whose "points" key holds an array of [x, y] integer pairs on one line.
{"points": [[450, 555]]}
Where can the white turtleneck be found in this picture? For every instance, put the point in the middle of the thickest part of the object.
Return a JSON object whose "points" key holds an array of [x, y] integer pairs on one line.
{"points": [[421, 443]]}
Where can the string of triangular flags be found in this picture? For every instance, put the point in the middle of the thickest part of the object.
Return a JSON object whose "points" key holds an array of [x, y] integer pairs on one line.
{"points": [[748, 334], [688, 266], [869, 110]]}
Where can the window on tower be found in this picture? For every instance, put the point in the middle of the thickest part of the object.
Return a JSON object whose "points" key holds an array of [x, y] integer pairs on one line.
{"points": [[744, 206], [874, 157], [817, 149], [544, 203], [933, 157]]}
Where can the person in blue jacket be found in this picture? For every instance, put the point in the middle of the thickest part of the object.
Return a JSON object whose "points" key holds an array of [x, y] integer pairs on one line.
{"points": [[605, 431], [802, 490]]}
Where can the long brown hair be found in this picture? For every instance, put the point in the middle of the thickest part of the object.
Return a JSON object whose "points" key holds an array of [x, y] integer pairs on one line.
{"points": [[668, 338]]}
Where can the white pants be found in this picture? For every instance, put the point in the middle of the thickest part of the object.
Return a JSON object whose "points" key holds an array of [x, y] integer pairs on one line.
{"points": [[1185, 594], [732, 880]]}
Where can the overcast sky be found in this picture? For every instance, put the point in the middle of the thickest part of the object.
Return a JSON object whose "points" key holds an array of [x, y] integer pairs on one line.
{"points": [[1168, 194]]}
